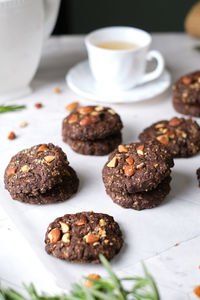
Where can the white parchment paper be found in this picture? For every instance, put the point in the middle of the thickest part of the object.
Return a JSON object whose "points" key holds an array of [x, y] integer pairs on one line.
{"points": [[146, 233]]}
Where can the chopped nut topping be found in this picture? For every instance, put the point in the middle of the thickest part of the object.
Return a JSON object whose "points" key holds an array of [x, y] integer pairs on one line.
{"points": [[73, 119], [89, 283], [111, 111], [129, 170], [66, 237], [175, 122], [102, 222], [85, 110], [112, 163], [72, 106], [140, 150], [163, 139], [90, 238], [140, 166], [54, 235], [186, 80], [42, 148], [94, 113], [64, 227], [38, 105], [130, 160], [57, 91], [179, 132], [11, 171], [163, 130], [11, 136], [23, 124], [102, 233], [159, 125], [184, 135], [81, 222], [122, 148], [49, 158], [96, 243], [99, 108], [171, 134], [25, 169], [87, 121]]}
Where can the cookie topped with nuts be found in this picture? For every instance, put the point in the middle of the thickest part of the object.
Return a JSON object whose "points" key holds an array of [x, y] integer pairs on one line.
{"points": [[137, 167], [187, 89], [91, 123], [35, 170], [181, 136], [83, 236]]}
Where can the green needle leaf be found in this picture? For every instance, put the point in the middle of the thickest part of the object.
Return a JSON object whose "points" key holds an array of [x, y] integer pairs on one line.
{"points": [[11, 108], [110, 288]]}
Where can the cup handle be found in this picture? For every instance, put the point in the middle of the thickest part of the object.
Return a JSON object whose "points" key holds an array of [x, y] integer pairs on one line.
{"points": [[153, 54]]}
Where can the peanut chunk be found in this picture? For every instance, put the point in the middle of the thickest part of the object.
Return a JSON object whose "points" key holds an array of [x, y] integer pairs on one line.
{"points": [[54, 235], [72, 106], [129, 170], [112, 163]]}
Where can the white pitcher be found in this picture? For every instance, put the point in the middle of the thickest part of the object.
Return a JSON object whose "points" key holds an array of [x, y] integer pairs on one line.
{"points": [[24, 24]]}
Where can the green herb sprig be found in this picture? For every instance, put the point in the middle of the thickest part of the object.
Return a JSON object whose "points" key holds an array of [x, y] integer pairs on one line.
{"points": [[11, 108], [109, 288]]}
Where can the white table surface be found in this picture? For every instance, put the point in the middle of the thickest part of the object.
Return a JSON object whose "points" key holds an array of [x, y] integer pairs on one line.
{"points": [[176, 269]]}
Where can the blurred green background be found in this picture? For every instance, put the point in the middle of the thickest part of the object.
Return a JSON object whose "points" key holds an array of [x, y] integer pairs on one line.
{"points": [[82, 16]]}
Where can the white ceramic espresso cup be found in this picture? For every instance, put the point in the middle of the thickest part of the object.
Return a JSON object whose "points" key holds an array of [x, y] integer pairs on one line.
{"points": [[122, 69]]}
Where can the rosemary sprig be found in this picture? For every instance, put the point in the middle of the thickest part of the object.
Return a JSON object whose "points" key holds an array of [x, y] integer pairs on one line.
{"points": [[10, 108], [109, 288]]}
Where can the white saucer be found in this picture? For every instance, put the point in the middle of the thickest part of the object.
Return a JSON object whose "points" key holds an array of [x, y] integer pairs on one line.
{"points": [[81, 81]]}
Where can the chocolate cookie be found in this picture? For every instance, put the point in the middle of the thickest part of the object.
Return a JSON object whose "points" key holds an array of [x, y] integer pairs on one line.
{"points": [[137, 167], [187, 89], [83, 236], [142, 200], [35, 170], [58, 193], [97, 147], [91, 123], [187, 109], [181, 136]]}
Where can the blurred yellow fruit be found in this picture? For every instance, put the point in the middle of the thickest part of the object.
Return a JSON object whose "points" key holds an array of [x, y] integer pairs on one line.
{"points": [[192, 21]]}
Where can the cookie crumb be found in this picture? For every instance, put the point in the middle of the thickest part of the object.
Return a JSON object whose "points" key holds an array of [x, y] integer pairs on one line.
{"points": [[57, 91], [89, 283], [38, 105], [11, 136], [23, 124], [197, 291]]}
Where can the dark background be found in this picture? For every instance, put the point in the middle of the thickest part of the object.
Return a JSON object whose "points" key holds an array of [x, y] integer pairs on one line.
{"points": [[83, 16]]}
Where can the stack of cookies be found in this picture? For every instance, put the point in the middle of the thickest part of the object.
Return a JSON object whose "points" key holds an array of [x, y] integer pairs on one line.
{"points": [[40, 175], [186, 98], [137, 175], [83, 236], [92, 130], [181, 136]]}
